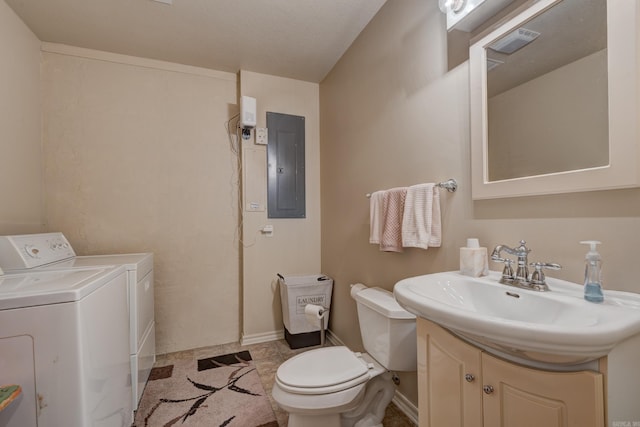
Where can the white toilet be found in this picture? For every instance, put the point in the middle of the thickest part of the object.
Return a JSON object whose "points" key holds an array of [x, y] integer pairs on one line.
{"points": [[335, 387]]}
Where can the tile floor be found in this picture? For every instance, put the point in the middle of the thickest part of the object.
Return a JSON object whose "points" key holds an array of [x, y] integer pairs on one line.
{"points": [[267, 357]]}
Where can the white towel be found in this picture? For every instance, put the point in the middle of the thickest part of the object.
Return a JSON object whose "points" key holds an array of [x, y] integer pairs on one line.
{"points": [[392, 213], [421, 226], [375, 217]]}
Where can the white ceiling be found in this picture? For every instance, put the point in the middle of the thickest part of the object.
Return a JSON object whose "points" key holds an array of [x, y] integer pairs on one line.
{"points": [[300, 39]]}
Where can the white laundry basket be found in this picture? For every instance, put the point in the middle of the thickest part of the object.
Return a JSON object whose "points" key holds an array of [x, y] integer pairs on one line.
{"points": [[295, 293]]}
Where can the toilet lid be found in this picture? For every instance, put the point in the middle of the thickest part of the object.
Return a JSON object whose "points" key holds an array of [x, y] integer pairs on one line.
{"points": [[329, 369]]}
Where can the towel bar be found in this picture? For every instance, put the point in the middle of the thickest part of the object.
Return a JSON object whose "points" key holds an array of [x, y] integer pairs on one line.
{"points": [[451, 185]]}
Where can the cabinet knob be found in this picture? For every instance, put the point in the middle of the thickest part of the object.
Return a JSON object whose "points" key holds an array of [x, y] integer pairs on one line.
{"points": [[488, 389], [469, 378]]}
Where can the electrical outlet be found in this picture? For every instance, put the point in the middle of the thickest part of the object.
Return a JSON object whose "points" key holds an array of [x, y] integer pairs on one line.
{"points": [[262, 136]]}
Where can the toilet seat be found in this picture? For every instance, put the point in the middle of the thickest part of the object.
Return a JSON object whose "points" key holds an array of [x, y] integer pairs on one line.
{"points": [[322, 371]]}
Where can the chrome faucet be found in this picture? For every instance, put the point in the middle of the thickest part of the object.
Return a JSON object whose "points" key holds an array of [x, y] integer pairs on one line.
{"points": [[521, 277]]}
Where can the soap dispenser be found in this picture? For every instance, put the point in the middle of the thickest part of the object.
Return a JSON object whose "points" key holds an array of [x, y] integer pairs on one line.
{"points": [[593, 273]]}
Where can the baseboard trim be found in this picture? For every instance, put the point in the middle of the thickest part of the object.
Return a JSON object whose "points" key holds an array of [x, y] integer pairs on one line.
{"points": [[263, 337], [406, 406], [333, 338]]}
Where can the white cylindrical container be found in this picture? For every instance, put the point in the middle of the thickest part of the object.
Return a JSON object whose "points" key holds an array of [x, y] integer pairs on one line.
{"points": [[473, 259]]}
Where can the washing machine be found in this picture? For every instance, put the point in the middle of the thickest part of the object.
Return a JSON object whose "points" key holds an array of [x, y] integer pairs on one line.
{"points": [[53, 252], [64, 338]]}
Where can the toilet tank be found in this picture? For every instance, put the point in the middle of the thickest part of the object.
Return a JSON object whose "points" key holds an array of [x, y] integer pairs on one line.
{"points": [[388, 331]]}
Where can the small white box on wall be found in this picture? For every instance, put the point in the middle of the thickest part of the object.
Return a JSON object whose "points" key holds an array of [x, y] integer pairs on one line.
{"points": [[248, 116]]}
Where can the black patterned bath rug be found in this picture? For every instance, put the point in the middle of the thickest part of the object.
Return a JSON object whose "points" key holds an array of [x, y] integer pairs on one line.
{"points": [[218, 391]]}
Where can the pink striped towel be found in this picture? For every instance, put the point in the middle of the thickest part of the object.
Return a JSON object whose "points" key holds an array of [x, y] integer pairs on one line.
{"points": [[391, 219]]}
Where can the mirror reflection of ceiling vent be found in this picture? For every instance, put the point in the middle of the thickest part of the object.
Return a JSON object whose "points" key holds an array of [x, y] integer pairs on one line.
{"points": [[493, 63], [515, 40]]}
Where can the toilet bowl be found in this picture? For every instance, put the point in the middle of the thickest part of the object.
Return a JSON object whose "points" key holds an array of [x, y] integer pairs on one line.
{"points": [[334, 386]]}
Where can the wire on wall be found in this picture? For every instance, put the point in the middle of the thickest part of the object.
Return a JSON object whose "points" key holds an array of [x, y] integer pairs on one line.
{"points": [[232, 127]]}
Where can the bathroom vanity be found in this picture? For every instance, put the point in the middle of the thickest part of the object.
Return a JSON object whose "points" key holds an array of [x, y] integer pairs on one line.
{"points": [[462, 385], [490, 354]]}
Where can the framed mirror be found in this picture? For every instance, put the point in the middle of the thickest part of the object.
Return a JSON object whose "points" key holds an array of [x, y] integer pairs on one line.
{"points": [[554, 94]]}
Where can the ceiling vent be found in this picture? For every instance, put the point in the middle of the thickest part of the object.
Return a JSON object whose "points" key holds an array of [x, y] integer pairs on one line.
{"points": [[514, 40]]}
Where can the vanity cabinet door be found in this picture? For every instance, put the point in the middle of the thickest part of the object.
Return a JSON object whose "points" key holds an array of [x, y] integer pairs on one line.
{"points": [[521, 396], [449, 379]]}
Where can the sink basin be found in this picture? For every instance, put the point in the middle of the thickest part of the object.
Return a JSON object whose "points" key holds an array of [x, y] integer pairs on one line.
{"points": [[556, 327]]}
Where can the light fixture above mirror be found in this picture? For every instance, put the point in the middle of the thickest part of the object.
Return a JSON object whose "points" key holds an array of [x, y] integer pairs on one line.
{"points": [[467, 15], [451, 5]]}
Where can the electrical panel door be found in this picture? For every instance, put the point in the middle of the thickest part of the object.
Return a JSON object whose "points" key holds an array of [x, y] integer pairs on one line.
{"points": [[286, 166]]}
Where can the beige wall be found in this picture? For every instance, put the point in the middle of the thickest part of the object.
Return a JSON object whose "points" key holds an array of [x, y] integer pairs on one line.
{"points": [[393, 116], [20, 143], [294, 247], [137, 159]]}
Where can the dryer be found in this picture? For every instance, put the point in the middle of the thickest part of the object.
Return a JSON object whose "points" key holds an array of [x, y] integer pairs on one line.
{"points": [[52, 252], [142, 330]]}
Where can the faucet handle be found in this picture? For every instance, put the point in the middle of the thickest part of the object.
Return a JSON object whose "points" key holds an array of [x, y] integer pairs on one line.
{"points": [[552, 266], [538, 277], [547, 265], [507, 272]]}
